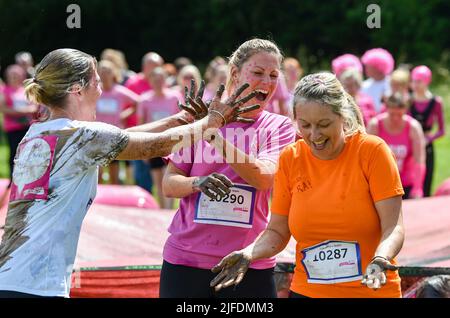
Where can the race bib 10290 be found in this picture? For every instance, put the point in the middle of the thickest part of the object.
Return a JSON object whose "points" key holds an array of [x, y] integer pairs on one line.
{"points": [[234, 209]]}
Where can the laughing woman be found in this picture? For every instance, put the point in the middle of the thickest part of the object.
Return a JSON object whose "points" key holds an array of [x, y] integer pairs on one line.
{"points": [[338, 193]]}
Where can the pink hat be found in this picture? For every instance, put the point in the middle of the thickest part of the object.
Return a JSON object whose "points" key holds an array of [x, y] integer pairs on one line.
{"points": [[421, 73], [380, 59], [344, 62]]}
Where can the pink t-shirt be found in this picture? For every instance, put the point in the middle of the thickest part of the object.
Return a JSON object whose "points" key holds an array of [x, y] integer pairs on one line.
{"points": [[401, 146], [15, 99], [138, 84], [281, 94], [367, 106], [198, 241], [152, 108], [111, 103]]}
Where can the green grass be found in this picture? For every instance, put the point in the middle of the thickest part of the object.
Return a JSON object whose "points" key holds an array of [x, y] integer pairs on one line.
{"points": [[442, 145]]}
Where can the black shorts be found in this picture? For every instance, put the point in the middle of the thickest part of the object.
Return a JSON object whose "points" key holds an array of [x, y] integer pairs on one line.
{"points": [[178, 281], [157, 163]]}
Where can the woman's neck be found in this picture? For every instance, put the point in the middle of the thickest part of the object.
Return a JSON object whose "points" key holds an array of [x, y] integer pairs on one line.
{"points": [[422, 95]]}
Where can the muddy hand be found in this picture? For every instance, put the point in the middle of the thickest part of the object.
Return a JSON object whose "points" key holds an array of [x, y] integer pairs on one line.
{"points": [[375, 276], [194, 106], [215, 186], [231, 109], [232, 269]]}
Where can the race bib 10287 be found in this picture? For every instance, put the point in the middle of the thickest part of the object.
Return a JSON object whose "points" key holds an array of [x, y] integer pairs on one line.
{"points": [[332, 262]]}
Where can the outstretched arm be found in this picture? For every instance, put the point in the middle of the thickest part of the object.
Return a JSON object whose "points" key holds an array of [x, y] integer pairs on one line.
{"points": [[271, 242]]}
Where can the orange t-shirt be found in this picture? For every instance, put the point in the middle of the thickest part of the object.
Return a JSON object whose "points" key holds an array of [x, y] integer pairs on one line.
{"points": [[334, 200]]}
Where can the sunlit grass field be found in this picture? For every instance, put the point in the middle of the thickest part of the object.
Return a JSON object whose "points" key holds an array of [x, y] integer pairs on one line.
{"points": [[442, 146]]}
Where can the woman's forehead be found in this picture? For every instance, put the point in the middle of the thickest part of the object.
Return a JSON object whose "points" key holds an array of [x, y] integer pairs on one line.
{"points": [[263, 60], [313, 110]]}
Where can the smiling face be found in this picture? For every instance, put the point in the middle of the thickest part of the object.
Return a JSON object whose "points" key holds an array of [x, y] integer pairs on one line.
{"points": [[261, 72], [321, 128]]}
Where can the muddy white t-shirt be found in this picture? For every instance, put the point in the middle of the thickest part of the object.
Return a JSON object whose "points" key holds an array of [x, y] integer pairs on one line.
{"points": [[54, 183]]}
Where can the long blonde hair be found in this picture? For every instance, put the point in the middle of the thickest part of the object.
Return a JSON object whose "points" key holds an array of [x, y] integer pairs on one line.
{"points": [[325, 89]]}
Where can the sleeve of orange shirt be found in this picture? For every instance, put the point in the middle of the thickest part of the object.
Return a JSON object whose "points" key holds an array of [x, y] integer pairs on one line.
{"points": [[383, 176], [282, 195]]}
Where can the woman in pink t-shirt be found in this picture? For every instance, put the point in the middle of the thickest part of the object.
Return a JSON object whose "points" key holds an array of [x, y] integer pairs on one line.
{"points": [[404, 135], [429, 111], [351, 79], [225, 185], [161, 102], [115, 105], [16, 109]]}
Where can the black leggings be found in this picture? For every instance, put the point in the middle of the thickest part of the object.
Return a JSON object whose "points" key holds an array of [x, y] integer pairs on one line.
{"points": [[178, 281], [429, 170], [14, 294], [14, 138]]}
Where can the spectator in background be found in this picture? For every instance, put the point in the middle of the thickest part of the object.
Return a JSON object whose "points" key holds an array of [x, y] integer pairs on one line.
{"points": [[185, 77], [181, 62], [378, 64], [171, 71], [429, 111], [292, 74], [344, 62], [351, 79], [113, 107], [16, 109], [400, 82], [216, 76], [25, 61], [118, 59], [405, 137], [278, 104], [159, 103], [139, 84]]}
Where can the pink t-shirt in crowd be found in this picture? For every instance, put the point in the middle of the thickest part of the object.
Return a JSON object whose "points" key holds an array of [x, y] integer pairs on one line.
{"points": [[138, 84], [152, 108], [367, 106], [111, 103], [281, 94], [437, 116], [15, 99], [200, 237], [401, 146]]}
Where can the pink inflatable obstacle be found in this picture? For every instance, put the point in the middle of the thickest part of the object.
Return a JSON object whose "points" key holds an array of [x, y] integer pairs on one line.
{"points": [[444, 188], [126, 196]]}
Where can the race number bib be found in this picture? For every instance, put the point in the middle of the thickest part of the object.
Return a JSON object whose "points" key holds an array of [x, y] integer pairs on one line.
{"points": [[107, 106], [234, 209], [332, 262]]}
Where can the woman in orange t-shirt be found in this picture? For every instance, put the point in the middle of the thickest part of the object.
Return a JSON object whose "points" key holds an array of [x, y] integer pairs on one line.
{"points": [[338, 193]]}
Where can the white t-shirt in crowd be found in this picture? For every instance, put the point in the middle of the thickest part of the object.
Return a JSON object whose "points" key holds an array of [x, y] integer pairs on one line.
{"points": [[54, 183], [376, 90]]}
